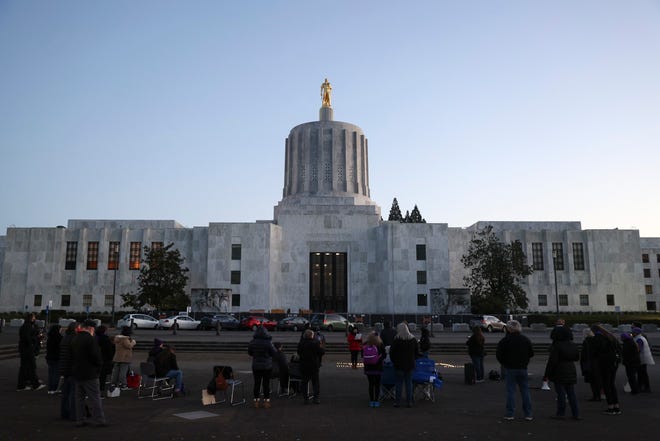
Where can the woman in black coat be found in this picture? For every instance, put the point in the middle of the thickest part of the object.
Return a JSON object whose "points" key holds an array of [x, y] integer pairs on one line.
{"points": [[261, 349], [560, 369], [631, 361], [53, 358], [607, 353]]}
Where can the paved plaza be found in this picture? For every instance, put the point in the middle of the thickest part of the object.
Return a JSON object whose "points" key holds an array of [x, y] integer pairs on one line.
{"points": [[461, 412]]}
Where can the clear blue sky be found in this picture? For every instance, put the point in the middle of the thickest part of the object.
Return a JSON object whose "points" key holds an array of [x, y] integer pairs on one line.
{"points": [[474, 110]]}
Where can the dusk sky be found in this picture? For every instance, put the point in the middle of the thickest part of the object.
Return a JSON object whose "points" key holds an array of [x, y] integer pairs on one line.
{"points": [[474, 110]]}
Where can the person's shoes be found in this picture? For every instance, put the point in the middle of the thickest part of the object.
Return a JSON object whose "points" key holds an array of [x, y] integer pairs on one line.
{"points": [[612, 412], [41, 386], [376, 403], [529, 418], [616, 411], [23, 388], [371, 404], [124, 388], [317, 400], [267, 404], [256, 403], [53, 392], [508, 418], [478, 381]]}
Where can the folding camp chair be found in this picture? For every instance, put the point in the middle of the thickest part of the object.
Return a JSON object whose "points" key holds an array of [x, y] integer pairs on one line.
{"points": [[425, 379], [232, 385], [387, 382], [160, 386]]}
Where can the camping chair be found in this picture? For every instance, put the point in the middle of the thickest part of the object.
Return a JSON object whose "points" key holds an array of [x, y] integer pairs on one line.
{"points": [[387, 382], [232, 385], [425, 379], [295, 377], [160, 387]]}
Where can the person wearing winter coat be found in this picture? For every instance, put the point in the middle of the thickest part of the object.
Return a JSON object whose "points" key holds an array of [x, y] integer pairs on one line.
{"points": [[560, 369], [589, 366], [54, 338], [606, 352], [425, 342], [310, 353], [387, 334], [87, 362], [354, 345], [373, 368], [645, 359], [261, 350], [124, 344], [514, 352], [68, 400], [630, 360], [403, 353], [107, 353], [28, 347], [167, 366], [476, 351]]}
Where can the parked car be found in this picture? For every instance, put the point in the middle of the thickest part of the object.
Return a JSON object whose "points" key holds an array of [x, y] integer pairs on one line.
{"points": [[182, 322], [226, 321], [330, 322], [488, 323], [292, 324], [142, 321], [252, 322]]}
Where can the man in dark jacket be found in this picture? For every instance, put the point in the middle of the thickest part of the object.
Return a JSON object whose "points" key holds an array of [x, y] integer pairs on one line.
{"points": [[514, 352], [86, 367], [387, 334], [28, 344], [560, 369], [167, 366], [261, 350], [68, 401], [310, 352]]}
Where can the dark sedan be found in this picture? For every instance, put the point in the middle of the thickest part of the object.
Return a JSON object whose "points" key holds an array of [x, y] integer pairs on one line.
{"points": [[226, 321], [292, 324]]}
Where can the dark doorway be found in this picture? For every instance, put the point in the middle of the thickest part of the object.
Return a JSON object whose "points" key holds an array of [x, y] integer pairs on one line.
{"points": [[327, 282]]}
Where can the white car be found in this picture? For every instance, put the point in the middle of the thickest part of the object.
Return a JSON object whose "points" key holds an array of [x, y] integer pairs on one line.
{"points": [[182, 322], [142, 321]]}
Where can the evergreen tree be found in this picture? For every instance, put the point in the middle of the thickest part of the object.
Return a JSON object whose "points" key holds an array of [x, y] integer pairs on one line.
{"points": [[395, 212], [162, 281], [416, 216], [406, 219], [495, 273]]}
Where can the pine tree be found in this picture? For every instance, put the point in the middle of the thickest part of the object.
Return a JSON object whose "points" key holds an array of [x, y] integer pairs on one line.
{"points": [[395, 212], [406, 219], [416, 216]]}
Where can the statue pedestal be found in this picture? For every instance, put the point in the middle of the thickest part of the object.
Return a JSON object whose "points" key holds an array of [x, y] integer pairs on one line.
{"points": [[326, 114]]}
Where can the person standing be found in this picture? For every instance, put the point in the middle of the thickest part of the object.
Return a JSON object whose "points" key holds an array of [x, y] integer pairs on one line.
{"points": [[476, 351], [310, 353], [403, 353], [354, 345], [514, 352], [645, 359], [630, 360], [122, 360], [425, 342], [387, 334], [68, 401], [560, 369], [261, 350], [373, 354], [107, 353], [87, 363], [606, 352], [28, 347], [54, 338]]}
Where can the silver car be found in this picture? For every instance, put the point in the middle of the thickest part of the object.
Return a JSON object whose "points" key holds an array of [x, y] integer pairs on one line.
{"points": [[135, 321], [488, 323], [182, 322]]}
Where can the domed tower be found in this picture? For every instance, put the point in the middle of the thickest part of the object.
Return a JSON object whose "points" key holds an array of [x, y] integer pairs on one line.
{"points": [[326, 163]]}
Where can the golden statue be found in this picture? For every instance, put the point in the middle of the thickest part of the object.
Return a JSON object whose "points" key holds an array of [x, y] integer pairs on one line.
{"points": [[326, 94]]}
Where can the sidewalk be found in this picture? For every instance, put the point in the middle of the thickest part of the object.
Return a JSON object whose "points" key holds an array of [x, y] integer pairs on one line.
{"points": [[460, 412]]}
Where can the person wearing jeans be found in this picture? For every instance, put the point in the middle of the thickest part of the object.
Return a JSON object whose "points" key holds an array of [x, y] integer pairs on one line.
{"points": [[403, 352], [167, 366], [476, 351], [514, 352]]}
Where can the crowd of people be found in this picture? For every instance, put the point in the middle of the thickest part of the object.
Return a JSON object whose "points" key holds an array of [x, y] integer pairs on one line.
{"points": [[83, 357]]}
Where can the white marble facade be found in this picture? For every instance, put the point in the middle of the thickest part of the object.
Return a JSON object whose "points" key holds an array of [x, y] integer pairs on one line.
{"points": [[325, 209]]}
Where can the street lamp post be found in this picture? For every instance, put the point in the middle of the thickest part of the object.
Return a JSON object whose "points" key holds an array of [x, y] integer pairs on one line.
{"points": [[554, 267]]}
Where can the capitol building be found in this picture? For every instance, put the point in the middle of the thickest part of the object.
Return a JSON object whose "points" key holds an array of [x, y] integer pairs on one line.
{"points": [[326, 248]]}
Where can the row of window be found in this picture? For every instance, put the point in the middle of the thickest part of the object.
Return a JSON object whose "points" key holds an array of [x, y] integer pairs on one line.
{"points": [[134, 256], [646, 259], [563, 300], [558, 256], [647, 273], [65, 300]]}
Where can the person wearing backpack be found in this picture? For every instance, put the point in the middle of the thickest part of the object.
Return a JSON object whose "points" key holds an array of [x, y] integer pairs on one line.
{"points": [[607, 353], [373, 353]]}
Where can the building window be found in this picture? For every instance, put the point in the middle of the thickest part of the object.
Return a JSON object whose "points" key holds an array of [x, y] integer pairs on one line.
{"points": [[647, 273], [92, 255], [649, 289], [66, 300], [421, 252], [236, 300], [87, 300], [645, 258], [134, 258], [71, 255], [537, 256], [657, 257], [650, 306], [421, 277], [109, 300], [422, 300], [563, 300], [584, 300], [543, 300], [610, 300], [113, 256], [578, 256], [236, 251], [37, 299], [235, 277], [156, 246], [558, 255]]}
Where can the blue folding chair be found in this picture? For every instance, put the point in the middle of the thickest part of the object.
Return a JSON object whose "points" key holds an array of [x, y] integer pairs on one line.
{"points": [[387, 382], [425, 379]]}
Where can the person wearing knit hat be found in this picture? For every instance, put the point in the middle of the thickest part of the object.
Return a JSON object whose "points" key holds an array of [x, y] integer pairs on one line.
{"points": [[645, 358]]}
